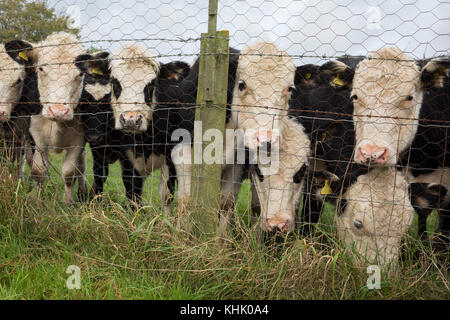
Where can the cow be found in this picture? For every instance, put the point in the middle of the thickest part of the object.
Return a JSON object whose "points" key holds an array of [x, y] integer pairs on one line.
{"points": [[321, 104], [401, 114], [264, 82], [278, 193], [18, 100], [107, 144], [57, 128], [375, 214]]}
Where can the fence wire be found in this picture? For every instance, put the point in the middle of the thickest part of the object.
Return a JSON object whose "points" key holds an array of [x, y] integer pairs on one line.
{"points": [[315, 87]]}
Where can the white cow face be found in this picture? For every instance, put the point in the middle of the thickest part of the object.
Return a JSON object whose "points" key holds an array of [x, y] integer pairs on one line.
{"points": [[264, 80], [132, 70], [59, 79], [279, 192], [375, 214], [12, 74], [387, 94]]}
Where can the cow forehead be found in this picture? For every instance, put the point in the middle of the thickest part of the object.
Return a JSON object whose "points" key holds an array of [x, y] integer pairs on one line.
{"points": [[380, 199], [387, 70], [134, 66], [265, 63], [133, 76], [59, 49]]}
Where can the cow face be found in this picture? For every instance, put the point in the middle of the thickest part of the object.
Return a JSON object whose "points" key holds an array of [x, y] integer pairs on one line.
{"points": [[264, 81], [133, 70], [59, 80], [374, 218], [95, 102], [14, 65], [387, 95], [279, 192]]}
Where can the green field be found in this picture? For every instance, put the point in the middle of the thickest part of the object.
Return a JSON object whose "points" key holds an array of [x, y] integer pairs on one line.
{"points": [[144, 255]]}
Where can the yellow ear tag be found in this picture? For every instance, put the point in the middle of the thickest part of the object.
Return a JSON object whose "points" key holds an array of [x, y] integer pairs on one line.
{"points": [[308, 76], [23, 55], [97, 71], [436, 75], [324, 136], [338, 81], [326, 188]]}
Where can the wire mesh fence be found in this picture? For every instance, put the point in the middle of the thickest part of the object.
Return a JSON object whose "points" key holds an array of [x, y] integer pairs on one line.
{"points": [[340, 102]]}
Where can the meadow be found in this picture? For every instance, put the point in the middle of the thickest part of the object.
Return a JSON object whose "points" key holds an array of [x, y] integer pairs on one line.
{"points": [[145, 255]]}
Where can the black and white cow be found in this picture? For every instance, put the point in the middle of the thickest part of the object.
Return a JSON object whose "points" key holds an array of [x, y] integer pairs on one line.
{"points": [[107, 144], [57, 128], [18, 99]]}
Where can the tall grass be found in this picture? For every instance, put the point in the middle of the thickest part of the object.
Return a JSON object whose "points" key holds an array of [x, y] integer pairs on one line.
{"points": [[143, 255]]}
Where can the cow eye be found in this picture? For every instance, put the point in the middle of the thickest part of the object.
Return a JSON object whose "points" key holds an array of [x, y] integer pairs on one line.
{"points": [[409, 98], [354, 97], [242, 85], [290, 89], [358, 224]]}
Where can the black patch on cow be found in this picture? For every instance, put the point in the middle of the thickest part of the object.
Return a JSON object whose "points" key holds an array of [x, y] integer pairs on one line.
{"points": [[300, 174], [117, 88]]}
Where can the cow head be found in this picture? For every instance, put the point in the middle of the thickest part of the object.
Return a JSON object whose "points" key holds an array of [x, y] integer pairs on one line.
{"points": [[133, 70], [387, 90], [373, 217], [264, 81], [59, 80], [15, 64], [95, 102], [279, 193]]}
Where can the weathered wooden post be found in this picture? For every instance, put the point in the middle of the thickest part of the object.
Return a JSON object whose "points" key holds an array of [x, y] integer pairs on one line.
{"points": [[210, 114]]}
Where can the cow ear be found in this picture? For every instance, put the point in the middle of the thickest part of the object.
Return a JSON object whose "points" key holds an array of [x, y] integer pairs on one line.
{"points": [[20, 51], [434, 73], [341, 74], [426, 195], [306, 75], [176, 70], [97, 64]]}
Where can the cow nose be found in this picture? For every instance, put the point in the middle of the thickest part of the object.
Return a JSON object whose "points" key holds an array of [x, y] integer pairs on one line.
{"points": [[3, 116], [277, 224], [266, 146], [93, 138], [131, 120], [372, 153], [266, 139], [58, 112]]}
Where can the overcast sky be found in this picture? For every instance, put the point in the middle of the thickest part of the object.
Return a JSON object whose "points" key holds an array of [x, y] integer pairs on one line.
{"points": [[307, 27]]}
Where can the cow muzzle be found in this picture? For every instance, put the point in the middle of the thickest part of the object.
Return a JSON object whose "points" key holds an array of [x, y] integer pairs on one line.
{"points": [[132, 121], [59, 112], [4, 116], [266, 140], [372, 154], [277, 224]]}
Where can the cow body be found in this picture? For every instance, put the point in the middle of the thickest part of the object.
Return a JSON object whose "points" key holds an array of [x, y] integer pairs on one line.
{"points": [[57, 128], [18, 100]]}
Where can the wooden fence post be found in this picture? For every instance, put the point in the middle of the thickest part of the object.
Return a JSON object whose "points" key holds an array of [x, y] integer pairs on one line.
{"points": [[210, 114]]}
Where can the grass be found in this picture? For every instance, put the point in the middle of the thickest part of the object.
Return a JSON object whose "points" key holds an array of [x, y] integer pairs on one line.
{"points": [[124, 255]]}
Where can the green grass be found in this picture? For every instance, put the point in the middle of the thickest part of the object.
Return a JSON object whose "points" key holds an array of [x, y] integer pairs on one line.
{"points": [[144, 255]]}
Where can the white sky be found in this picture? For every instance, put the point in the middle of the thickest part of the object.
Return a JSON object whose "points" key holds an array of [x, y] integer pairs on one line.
{"points": [[308, 27]]}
